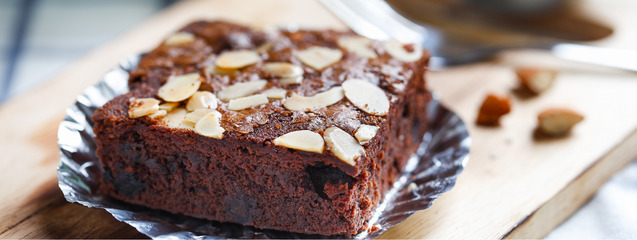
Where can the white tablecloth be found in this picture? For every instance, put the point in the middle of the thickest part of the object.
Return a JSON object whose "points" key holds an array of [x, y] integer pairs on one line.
{"points": [[610, 214]]}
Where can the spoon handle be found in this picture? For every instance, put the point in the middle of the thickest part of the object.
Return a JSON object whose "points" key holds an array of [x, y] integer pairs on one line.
{"points": [[617, 58]]}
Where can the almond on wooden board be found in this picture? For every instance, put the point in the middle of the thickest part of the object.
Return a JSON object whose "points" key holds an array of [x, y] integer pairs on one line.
{"points": [[492, 109], [558, 121], [536, 80]]}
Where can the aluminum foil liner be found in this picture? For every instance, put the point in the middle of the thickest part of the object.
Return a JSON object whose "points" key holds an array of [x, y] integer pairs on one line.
{"points": [[433, 170]]}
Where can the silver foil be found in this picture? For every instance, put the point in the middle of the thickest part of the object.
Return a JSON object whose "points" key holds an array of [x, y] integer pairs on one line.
{"points": [[433, 170]]}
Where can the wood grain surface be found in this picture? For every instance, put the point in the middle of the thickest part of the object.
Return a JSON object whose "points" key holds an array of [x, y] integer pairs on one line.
{"points": [[513, 186]]}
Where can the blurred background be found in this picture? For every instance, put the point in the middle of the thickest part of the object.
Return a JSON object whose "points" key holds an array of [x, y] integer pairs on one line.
{"points": [[38, 38]]}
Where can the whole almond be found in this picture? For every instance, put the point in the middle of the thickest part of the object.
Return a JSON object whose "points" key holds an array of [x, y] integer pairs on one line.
{"points": [[492, 109], [536, 80], [558, 121]]}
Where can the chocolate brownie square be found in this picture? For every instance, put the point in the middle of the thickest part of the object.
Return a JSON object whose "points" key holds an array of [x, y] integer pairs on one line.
{"points": [[301, 131]]}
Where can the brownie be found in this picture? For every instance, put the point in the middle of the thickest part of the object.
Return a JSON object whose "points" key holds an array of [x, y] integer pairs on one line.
{"points": [[300, 131]]}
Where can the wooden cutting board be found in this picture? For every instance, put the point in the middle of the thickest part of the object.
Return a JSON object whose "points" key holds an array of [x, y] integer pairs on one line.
{"points": [[513, 186]]}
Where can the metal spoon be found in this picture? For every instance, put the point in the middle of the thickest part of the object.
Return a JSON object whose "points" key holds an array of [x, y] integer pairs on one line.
{"points": [[377, 20]]}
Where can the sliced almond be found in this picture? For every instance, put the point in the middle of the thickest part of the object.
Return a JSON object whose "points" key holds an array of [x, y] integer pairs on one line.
{"points": [[142, 107], [246, 102], [412, 186], [282, 69], [275, 93], [287, 73], [241, 89], [175, 119], [180, 88], [304, 140], [210, 125], [319, 57], [214, 70], [358, 45], [405, 52], [291, 80], [558, 121], [179, 38], [343, 145], [202, 99], [265, 47], [366, 96], [196, 115], [237, 59], [320, 100], [159, 113], [168, 106], [365, 133], [536, 80]]}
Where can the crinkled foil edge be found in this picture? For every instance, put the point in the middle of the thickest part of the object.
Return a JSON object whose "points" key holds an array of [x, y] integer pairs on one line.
{"points": [[433, 170]]}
